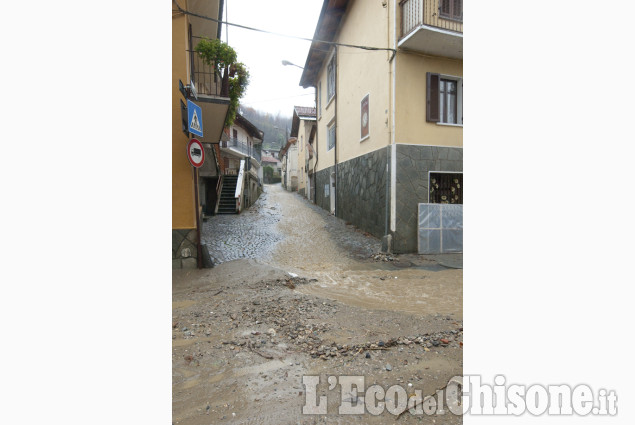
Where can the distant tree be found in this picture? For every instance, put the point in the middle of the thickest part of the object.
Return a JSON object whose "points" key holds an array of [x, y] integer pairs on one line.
{"points": [[275, 138], [268, 173]]}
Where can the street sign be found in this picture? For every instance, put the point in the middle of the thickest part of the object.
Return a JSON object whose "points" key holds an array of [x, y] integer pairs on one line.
{"points": [[194, 118], [195, 153]]}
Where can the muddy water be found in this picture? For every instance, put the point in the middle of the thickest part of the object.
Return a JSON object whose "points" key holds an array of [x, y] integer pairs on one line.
{"points": [[310, 250]]}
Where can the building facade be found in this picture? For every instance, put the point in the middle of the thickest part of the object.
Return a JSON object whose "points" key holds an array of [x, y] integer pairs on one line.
{"points": [[302, 127], [188, 82], [389, 119], [242, 142]]}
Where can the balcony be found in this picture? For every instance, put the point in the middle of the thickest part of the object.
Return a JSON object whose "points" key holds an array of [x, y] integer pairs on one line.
{"points": [[210, 96], [206, 81], [242, 148], [433, 27]]}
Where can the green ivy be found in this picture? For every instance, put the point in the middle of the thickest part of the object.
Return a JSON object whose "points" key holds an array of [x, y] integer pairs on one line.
{"points": [[223, 58]]}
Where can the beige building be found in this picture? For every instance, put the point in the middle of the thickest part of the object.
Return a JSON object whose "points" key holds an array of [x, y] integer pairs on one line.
{"points": [[303, 129], [289, 157], [240, 146], [390, 118]]}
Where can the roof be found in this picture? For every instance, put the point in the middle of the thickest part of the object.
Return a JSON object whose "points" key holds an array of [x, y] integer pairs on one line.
{"points": [[269, 159], [326, 30], [290, 142], [249, 127], [301, 113]]}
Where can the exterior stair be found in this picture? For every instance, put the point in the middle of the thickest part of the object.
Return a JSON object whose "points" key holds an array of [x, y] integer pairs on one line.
{"points": [[227, 203]]}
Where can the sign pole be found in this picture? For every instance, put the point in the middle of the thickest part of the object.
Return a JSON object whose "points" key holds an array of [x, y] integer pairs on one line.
{"points": [[199, 256]]}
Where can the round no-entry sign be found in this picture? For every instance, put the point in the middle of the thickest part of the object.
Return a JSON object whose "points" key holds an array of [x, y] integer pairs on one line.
{"points": [[195, 153]]}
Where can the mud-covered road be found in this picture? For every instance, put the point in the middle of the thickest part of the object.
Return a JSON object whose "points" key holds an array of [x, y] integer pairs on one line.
{"points": [[246, 332]]}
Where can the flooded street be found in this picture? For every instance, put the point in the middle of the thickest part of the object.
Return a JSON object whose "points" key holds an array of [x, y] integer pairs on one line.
{"points": [[311, 243], [297, 292]]}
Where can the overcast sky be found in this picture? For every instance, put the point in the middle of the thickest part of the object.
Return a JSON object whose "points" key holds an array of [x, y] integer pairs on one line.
{"points": [[273, 87]]}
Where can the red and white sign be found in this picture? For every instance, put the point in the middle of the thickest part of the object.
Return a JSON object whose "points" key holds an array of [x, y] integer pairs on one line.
{"points": [[195, 153]]}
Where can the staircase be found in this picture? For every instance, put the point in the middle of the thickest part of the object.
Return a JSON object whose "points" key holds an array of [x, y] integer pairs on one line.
{"points": [[227, 203]]}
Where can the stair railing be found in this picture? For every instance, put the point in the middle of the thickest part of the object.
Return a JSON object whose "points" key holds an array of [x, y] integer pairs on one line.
{"points": [[239, 185]]}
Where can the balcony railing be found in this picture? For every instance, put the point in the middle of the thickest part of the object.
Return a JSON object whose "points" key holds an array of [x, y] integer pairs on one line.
{"points": [[242, 147], [207, 83], [444, 14]]}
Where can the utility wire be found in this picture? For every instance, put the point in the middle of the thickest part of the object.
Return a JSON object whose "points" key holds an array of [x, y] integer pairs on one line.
{"points": [[333, 43]]}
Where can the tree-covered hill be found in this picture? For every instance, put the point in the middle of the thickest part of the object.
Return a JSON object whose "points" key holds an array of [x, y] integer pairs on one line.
{"points": [[274, 126]]}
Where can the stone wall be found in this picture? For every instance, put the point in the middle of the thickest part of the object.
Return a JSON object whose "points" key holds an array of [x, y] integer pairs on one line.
{"points": [[361, 191], [413, 164], [184, 249], [323, 178]]}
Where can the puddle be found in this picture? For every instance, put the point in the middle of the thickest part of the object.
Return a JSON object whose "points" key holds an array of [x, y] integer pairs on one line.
{"points": [[182, 304], [414, 290]]}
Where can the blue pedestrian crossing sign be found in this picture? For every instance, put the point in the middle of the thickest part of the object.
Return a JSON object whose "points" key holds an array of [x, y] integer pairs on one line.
{"points": [[194, 118]]}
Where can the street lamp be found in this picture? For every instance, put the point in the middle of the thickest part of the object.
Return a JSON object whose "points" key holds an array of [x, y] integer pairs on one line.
{"points": [[287, 63]]}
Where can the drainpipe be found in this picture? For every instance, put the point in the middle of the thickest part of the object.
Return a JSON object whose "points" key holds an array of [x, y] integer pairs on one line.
{"points": [[393, 156], [316, 148], [337, 123]]}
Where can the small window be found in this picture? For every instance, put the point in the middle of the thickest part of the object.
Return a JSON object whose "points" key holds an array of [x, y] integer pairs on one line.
{"points": [[319, 96], [330, 137], [446, 188], [451, 9], [330, 75], [444, 99]]}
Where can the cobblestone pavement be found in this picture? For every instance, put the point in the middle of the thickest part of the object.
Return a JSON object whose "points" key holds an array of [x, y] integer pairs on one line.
{"points": [[281, 216], [251, 234]]}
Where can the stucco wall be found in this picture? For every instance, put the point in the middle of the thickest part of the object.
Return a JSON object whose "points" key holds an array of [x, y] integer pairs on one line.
{"points": [[183, 214], [410, 116]]}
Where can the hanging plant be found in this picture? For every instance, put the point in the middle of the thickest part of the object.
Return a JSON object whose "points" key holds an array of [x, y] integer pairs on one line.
{"points": [[235, 77], [216, 53]]}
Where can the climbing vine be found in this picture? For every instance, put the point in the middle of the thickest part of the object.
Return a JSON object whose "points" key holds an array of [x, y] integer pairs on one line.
{"points": [[235, 76]]}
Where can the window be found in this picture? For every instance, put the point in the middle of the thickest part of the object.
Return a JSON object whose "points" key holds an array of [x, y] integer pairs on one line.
{"points": [[446, 188], [451, 9], [319, 96], [330, 137], [447, 101], [444, 99], [330, 79]]}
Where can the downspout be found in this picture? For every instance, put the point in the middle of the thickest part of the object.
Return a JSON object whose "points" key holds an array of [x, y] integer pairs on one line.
{"points": [[393, 155], [316, 152], [387, 196], [337, 140]]}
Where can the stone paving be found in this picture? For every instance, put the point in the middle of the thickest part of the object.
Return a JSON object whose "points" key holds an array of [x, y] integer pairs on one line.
{"points": [[254, 233], [250, 234]]}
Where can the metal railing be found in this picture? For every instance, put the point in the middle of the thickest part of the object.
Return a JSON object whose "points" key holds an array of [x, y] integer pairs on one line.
{"points": [[428, 12], [242, 147], [206, 82]]}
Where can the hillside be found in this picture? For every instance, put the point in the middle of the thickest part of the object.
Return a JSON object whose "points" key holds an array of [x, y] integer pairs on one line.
{"points": [[274, 138]]}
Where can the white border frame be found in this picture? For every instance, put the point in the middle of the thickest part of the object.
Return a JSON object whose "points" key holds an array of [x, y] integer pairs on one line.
{"points": [[360, 117], [459, 99], [328, 125]]}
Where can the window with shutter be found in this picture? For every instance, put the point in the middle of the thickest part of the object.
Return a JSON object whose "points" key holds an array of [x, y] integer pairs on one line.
{"points": [[330, 79], [444, 99], [451, 9], [330, 137]]}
